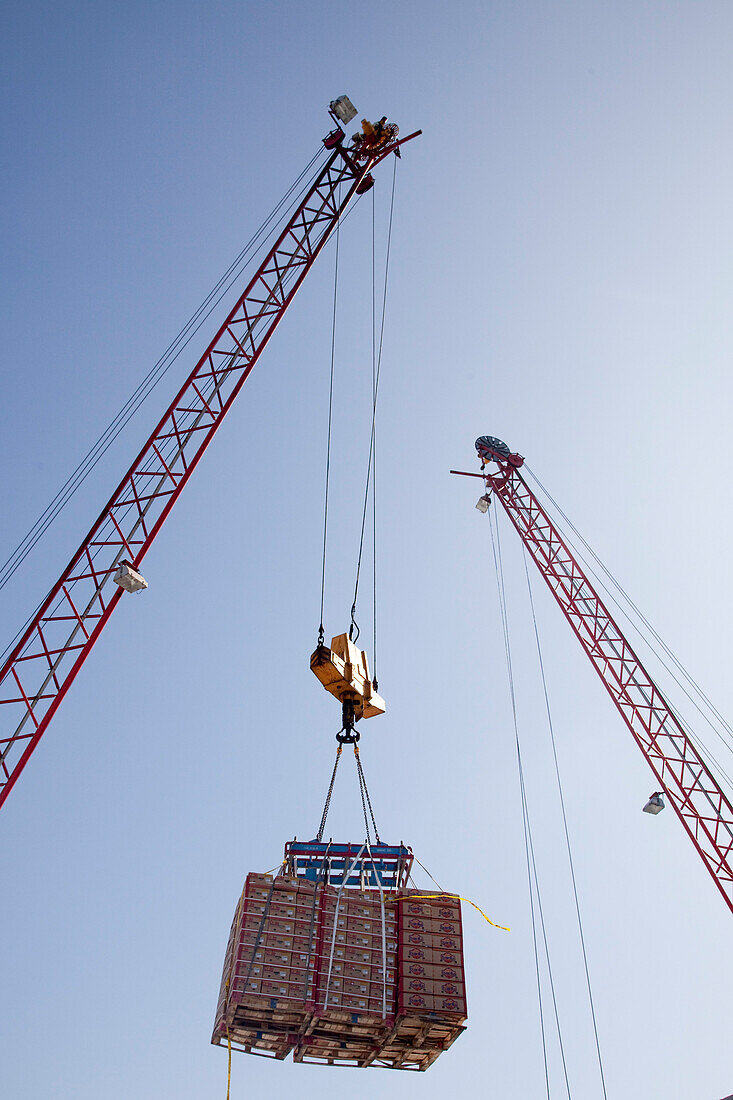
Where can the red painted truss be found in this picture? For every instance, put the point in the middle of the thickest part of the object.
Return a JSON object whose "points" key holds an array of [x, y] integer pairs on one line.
{"points": [[701, 806], [43, 664]]}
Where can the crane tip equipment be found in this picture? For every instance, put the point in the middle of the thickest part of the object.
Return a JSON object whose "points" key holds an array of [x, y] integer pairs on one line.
{"points": [[683, 775]]}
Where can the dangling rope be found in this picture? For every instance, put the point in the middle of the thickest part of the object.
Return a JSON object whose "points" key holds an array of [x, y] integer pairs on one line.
{"points": [[565, 822], [354, 628], [328, 436], [322, 826], [444, 894]]}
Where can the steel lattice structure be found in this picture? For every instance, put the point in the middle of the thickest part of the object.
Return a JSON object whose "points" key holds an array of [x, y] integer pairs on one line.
{"points": [[700, 804], [52, 649]]}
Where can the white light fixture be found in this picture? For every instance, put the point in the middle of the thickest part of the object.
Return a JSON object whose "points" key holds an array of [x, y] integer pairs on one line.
{"points": [[483, 503], [343, 108], [129, 579], [655, 805]]}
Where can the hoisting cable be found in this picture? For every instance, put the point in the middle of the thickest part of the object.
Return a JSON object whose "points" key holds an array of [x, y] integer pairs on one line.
{"points": [[321, 633], [148, 383], [564, 821], [374, 454], [528, 846], [353, 628], [642, 618]]}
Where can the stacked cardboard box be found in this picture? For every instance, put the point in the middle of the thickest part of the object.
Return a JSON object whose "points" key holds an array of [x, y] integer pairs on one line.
{"points": [[355, 987], [431, 956], [431, 989], [342, 976], [268, 968]]}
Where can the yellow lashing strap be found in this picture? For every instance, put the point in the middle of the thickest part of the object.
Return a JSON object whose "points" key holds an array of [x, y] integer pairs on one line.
{"points": [[229, 1062], [411, 897]]}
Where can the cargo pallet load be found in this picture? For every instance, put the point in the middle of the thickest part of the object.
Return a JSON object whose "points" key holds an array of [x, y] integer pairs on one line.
{"points": [[335, 960]]}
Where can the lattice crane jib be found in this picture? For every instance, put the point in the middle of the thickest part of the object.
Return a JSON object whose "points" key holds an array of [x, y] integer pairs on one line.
{"points": [[702, 807], [52, 649]]}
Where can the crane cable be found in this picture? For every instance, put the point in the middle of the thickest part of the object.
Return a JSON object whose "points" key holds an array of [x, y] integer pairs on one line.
{"points": [[151, 380], [164, 454], [673, 659], [564, 820], [354, 628], [532, 877], [374, 453], [321, 632]]}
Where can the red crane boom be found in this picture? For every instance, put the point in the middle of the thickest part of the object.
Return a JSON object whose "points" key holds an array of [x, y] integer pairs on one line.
{"points": [[44, 662], [700, 804]]}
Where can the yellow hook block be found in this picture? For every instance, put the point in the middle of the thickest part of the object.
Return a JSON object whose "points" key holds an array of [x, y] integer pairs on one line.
{"points": [[344, 672]]}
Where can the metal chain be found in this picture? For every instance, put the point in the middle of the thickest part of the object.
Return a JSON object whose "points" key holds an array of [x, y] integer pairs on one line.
{"points": [[364, 790], [319, 835]]}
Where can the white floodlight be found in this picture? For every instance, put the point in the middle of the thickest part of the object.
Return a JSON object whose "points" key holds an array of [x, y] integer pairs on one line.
{"points": [[483, 503], [343, 108], [129, 579], [655, 805]]}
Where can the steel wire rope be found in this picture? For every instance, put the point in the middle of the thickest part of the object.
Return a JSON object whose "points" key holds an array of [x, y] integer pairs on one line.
{"points": [[655, 634], [604, 571], [353, 628], [526, 822], [172, 444], [374, 680], [564, 820], [683, 734], [146, 386], [131, 505], [328, 435], [146, 466], [55, 508]]}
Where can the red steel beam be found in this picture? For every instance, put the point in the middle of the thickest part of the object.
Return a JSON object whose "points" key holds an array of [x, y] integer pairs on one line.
{"points": [[43, 664], [693, 792]]}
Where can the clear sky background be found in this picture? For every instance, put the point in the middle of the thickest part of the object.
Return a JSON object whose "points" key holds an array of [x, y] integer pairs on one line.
{"points": [[561, 276]]}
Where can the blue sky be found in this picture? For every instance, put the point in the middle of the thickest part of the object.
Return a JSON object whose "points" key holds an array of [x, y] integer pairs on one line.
{"points": [[561, 276]]}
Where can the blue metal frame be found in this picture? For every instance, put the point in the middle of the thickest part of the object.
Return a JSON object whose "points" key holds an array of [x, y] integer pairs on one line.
{"points": [[384, 865]]}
